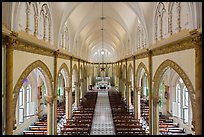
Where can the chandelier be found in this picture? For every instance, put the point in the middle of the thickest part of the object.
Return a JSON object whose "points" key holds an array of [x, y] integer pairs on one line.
{"points": [[102, 49]]}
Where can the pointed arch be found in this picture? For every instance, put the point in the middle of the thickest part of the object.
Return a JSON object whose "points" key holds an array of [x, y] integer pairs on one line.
{"points": [[44, 70], [160, 72], [130, 69], [123, 70], [140, 67], [75, 70], [74, 67], [66, 76]]}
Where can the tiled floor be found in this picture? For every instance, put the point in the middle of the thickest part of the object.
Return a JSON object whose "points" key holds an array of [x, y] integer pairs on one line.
{"points": [[102, 121]]}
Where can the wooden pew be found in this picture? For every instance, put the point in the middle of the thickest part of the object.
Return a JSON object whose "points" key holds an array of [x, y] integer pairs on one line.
{"points": [[35, 132]]}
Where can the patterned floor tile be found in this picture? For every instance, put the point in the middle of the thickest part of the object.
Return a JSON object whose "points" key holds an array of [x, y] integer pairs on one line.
{"points": [[102, 121]]}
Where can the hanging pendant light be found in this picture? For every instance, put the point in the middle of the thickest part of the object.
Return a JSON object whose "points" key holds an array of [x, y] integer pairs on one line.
{"points": [[102, 50]]}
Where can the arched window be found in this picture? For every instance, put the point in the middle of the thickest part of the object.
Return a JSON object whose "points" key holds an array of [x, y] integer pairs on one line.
{"points": [[185, 105], [183, 102], [178, 99], [64, 38], [43, 91], [158, 21], [28, 100], [161, 95], [21, 104], [45, 22]]}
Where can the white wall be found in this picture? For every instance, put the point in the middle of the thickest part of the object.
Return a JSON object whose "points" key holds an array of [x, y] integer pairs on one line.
{"points": [[21, 60]]}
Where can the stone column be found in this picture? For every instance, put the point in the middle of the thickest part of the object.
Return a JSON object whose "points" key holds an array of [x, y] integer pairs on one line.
{"points": [[167, 97], [55, 92], [197, 41], [128, 94], [156, 115], [126, 82], [122, 88], [55, 115], [38, 100], [77, 86], [98, 70], [150, 91], [49, 114], [70, 89], [121, 80], [10, 42], [66, 89], [135, 103], [25, 105], [107, 70], [76, 95], [134, 87], [84, 86], [70, 103], [83, 81]]}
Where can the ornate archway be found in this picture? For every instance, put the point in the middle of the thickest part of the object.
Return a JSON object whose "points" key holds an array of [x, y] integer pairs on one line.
{"points": [[129, 86], [138, 90], [157, 79], [66, 70], [48, 79], [45, 71], [139, 69]]}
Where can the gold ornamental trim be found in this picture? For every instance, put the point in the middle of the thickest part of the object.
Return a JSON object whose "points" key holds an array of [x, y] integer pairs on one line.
{"points": [[173, 47]]}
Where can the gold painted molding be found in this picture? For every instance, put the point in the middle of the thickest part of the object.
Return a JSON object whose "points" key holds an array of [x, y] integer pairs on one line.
{"points": [[31, 44], [173, 47], [141, 55]]}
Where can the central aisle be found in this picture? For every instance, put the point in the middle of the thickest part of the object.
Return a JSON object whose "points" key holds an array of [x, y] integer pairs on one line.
{"points": [[102, 121]]}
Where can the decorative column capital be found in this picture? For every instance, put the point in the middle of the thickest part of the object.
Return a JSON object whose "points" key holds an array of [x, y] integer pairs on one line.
{"points": [[56, 53], [149, 52], [12, 39], [49, 99], [195, 37], [156, 99], [76, 83], [54, 98], [128, 83], [138, 89], [67, 89]]}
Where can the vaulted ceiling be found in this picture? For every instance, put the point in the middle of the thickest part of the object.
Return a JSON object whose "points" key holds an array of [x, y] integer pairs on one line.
{"points": [[119, 27]]}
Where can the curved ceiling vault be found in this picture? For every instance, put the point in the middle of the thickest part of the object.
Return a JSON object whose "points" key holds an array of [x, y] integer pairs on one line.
{"points": [[118, 28]]}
